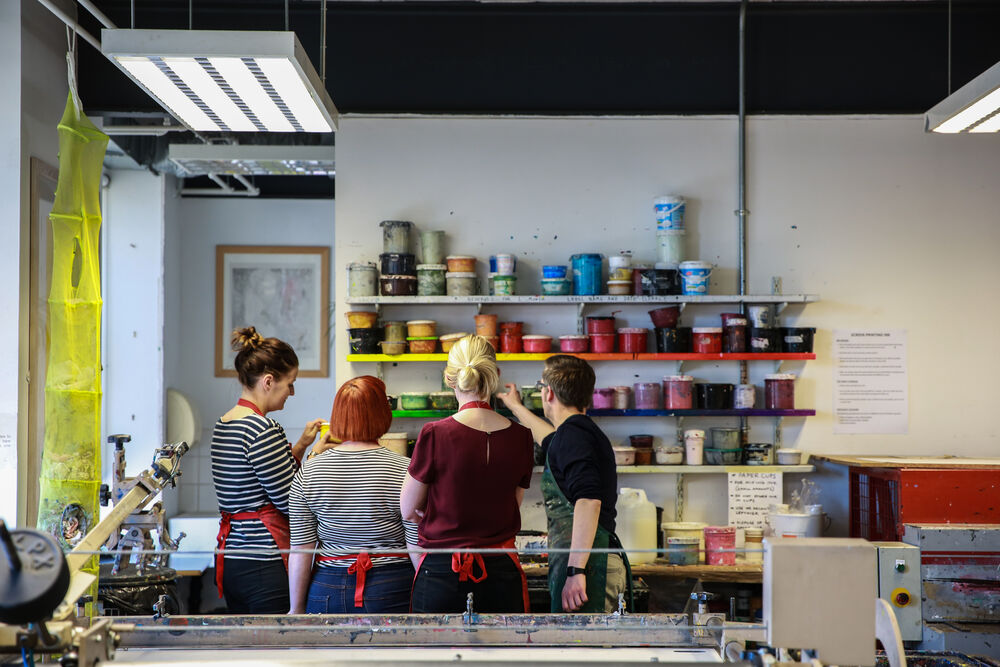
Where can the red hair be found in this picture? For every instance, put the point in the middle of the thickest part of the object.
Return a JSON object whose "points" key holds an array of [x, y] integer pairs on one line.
{"points": [[360, 410]]}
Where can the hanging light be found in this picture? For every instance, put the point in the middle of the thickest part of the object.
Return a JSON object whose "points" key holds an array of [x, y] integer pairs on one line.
{"points": [[251, 160], [226, 80], [975, 107]]}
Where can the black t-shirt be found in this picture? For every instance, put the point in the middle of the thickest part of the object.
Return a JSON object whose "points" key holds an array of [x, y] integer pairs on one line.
{"points": [[583, 464]]}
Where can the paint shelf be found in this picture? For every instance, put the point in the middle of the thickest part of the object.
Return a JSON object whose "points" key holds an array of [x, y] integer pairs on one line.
{"points": [[742, 572], [682, 469], [431, 413], [593, 356], [528, 299], [725, 356], [441, 414]]}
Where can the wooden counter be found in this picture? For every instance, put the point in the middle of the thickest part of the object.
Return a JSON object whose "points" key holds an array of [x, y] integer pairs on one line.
{"points": [[743, 573], [925, 462]]}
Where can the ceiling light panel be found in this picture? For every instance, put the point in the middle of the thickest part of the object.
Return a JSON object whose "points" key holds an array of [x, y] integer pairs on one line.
{"points": [[971, 108], [253, 160], [226, 81]]}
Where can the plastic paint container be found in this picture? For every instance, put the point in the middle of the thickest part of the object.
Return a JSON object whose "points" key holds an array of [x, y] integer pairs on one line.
{"points": [[723, 457], [362, 279], [393, 346], [574, 343], [665, 317], [460, 283], [758, 454], [779, 391], [620, 267], [361, 319], [396, 235], [764, 340], [694, 277], [632, 339], [414, 400], [432, 246], [670, 455], [744, 396], [398, 285], [670, 247], [603, 398], [461, 263], [602, 343], [716, 539], [620, 287], [623, 397], [669, 212], [682, 550], [710, 396], [706, 340], [641, 440], [678, 392], [554, 271], [364, 341], [724, 437], [506, 264], [686, 529], [624, 456], [673, 340], [430, 279], [643, 456], [600, 325], [486, 324], [421, 328], [753, 542], [510, 343], [395, 331], [586, 273], [536, 343], [788, 457], [694, 446], [443, 400], [422, 344], [790, 524], [760, 315], [734, 335], [449, 340], [797, 339], [535, 400], [398, 263], [659, 281], [648, 395], [556, 286], [511, 328]]}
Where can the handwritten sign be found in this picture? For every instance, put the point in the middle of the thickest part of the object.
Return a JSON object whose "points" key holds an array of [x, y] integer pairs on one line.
{"points": [[750, 496]]}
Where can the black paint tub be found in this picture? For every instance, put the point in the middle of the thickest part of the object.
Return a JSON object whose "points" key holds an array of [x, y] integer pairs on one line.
{"points": [[398, 263], [763, 340], [712, 396], [364, 341], [660, 282], [673, 340], [797, 339]]}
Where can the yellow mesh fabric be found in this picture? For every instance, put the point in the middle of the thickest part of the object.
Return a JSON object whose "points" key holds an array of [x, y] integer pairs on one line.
{"points": [[71, 460]]}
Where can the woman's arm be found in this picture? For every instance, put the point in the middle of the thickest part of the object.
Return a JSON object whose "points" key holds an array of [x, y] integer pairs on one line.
{"points": [[412, 499], [519, 494], [299, 577]]}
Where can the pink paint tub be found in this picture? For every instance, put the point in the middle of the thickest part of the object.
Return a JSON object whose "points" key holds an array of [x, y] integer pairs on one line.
{"points": [[536, 343], [601, 325], [632, 339], [678, 392], [665, 317], [602, 342], [574, 343], [647, 395], [603, 399], [716, 539]]}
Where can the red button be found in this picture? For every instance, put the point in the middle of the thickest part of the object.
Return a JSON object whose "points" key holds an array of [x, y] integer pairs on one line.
{"points": [[902, 599]]}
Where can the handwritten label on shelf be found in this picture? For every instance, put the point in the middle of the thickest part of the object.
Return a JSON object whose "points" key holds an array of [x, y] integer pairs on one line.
{"points": [[751, 494]]}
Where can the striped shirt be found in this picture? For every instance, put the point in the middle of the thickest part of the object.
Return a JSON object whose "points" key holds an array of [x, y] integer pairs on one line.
{"points": [[348, 502], [252, 465]]}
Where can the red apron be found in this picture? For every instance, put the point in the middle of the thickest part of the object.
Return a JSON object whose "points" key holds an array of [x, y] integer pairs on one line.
{"points": [[269, 515], [359, 568], [463, 563]]}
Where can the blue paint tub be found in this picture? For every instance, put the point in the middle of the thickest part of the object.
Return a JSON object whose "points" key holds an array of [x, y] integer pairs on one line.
{"points": [[694, 277], [587, 273], [554, 271]]}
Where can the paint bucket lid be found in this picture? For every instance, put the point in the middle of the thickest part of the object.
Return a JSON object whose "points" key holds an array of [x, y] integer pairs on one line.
{"points": [[453, 336], [355, 266], [412, 393], [395, 223], [694, 433], [780, 376], [665, 266], [555, 280], [679, 378], [619, 282], [571, 337], [460, 274], [421, 338], [536, 337], [682, 525], [704, 330], [632, 330], [431, 267], [459, 257], [668, 199], [586, 255], [501, 254], [695, 264], [720, 530], [416, 322], [671, 232]]}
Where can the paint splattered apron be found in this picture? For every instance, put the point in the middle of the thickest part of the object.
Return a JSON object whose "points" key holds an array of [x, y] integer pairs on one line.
{"points": [[269, 515]]}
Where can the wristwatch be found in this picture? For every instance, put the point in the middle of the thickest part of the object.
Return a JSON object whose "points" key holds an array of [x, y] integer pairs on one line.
{"points": [[573, 571]]}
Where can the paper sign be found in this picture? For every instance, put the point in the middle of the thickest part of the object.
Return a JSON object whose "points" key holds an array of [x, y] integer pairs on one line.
{"points": [[8, 441], [751, 494], [869, 382]]}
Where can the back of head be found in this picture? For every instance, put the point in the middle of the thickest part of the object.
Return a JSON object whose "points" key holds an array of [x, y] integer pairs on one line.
{"points": [[360, 410], [571, 379], [257, 356], [472, 367]]}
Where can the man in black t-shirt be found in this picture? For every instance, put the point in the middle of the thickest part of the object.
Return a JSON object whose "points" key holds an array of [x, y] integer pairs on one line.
{"points": [[580, 488]]}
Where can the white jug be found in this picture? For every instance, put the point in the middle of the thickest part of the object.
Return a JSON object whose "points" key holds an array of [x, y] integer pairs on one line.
{"points": [[636, 525]]}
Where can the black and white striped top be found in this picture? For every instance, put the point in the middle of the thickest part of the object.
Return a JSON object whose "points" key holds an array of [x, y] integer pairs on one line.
{"points": [[348, 502], [252, 465]]}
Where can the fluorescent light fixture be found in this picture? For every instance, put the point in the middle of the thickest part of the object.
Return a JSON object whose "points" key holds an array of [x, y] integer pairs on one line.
{"points": [[972, 108], [202, 159], [226, 80]]}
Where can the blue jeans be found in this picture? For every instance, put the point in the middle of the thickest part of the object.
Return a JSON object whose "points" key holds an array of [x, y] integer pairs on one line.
{"points": [[255, 587], [387, 590]]}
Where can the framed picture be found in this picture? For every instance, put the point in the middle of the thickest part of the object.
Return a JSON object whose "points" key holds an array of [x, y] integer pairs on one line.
{"points": [[283, 291]]}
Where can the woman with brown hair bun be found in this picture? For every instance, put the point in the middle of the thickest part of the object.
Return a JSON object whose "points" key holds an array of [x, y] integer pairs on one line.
{"points": [[252, 466], [465, 485]]}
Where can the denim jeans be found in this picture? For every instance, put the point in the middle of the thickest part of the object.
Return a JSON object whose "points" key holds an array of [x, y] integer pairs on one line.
{"points": [[387, 590], [437, 589], [255, 586]]}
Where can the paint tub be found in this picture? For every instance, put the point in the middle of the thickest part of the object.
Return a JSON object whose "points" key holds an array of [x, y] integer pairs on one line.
{"points": [[443, 400], [586, 273], [511, 328], [620, 287], [494, 342], [694, 446], [556, 286], [623, 397], [486, 324], [753, 542], [744, 396], [430, 279], [511, 343], [686, 529], [620, 267], [422, 344], [461, 263], [734, 335], [460, 283], [717, 539], [758, 454], [694, 277], [398, 263], [504, 284], [489, 282], [601, 324], [632, 339], [797, 339], [603, 398], [670, 455], [393, 401], [449, 340], [505, 263], [536, 343], [362, 279], [395, 331], [641, 440], [712, 396], [678, 392], [723, 457], [535, 400], [398, 285], [361, 319], [761, 315], [764, 340], [396, 235], [364, 341], [526, 391], [659, 281], [673, 340], [682, 550], [432, 246], [788, 457], [554, 270], [414, 400], [574, 343], [648, 395], [665, 317], [779, 391], [706, 340], [725, 437], [624, 456], [670, 247], [394, 442], [643, 456], [393, 346], [791, 524], [602, 343], [421, 328], [669, 212]]}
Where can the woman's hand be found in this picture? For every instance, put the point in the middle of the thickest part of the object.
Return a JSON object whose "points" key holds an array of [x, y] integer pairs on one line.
{"points": [[308, 435], [324, 444], [511, 397]]}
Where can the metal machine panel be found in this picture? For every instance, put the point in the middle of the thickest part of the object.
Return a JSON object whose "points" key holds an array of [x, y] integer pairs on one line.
{"points": [[899, 585]]}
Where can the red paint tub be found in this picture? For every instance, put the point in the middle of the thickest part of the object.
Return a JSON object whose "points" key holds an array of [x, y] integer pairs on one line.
{"points": [[706, 340], [601, 325], [665, 317], [779, 391], [602, 342], [574, 343], [536, 343], [716, 539], [511, 328], [632, 339], [678, 392], [510, 343]]}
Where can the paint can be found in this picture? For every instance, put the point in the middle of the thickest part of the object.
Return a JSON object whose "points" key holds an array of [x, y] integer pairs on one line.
{"points": [[694, 277], [648, 396], [779, 391], [744, 396], [758, 454], [620, 266], [587, 270], [506, 264], [694, 446], [504, 284], [761, 315], [789, 524], [678, 392], [396, 236], [669, 212], [670, 247], [432, 246], [797, 339], [677, 339], [753, 543], [719, 544], [430, 279], [764, 339], [683, 550], [362, 279]]}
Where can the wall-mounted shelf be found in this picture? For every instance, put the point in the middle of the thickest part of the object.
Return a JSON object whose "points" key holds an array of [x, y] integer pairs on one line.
{"points": [[591, 356], [701, 470], [576, 299], [441, 414]]}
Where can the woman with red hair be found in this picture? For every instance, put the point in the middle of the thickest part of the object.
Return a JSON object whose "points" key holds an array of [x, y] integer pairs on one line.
{"points": [[345, 503]]}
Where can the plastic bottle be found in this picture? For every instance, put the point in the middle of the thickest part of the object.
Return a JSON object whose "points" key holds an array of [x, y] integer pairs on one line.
{"points": [[636, 525]]}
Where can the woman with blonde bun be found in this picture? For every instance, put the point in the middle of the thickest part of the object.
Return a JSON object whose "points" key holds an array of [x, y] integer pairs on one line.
{"points": [[464, 486]]}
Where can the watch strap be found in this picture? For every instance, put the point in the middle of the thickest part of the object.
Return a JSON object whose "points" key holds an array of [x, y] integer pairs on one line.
{"points": [[573, 571]]}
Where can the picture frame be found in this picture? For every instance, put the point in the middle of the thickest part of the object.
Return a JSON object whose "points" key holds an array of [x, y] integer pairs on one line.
{"points": [[282, 291]]}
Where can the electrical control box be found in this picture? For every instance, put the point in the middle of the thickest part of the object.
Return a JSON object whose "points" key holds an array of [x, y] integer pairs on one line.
{"points": [[899, 585]]}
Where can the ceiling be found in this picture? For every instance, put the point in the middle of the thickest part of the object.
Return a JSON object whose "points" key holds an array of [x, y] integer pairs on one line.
{"points": [[566, 58]]}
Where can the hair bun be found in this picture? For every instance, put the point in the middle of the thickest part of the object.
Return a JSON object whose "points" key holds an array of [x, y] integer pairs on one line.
{"points": [[246, 338]]}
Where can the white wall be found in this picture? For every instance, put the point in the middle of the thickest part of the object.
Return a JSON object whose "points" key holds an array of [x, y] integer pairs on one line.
{"points": [[891, 227], [194, 228]]}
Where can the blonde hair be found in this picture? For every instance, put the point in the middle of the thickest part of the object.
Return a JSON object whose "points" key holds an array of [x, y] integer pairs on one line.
{"points": [[472, 367]]}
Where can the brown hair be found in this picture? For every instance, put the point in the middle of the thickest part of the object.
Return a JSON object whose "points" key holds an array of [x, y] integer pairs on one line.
{"points": [[360, 410], [571, 379], [257, 356], [472, 367]]}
